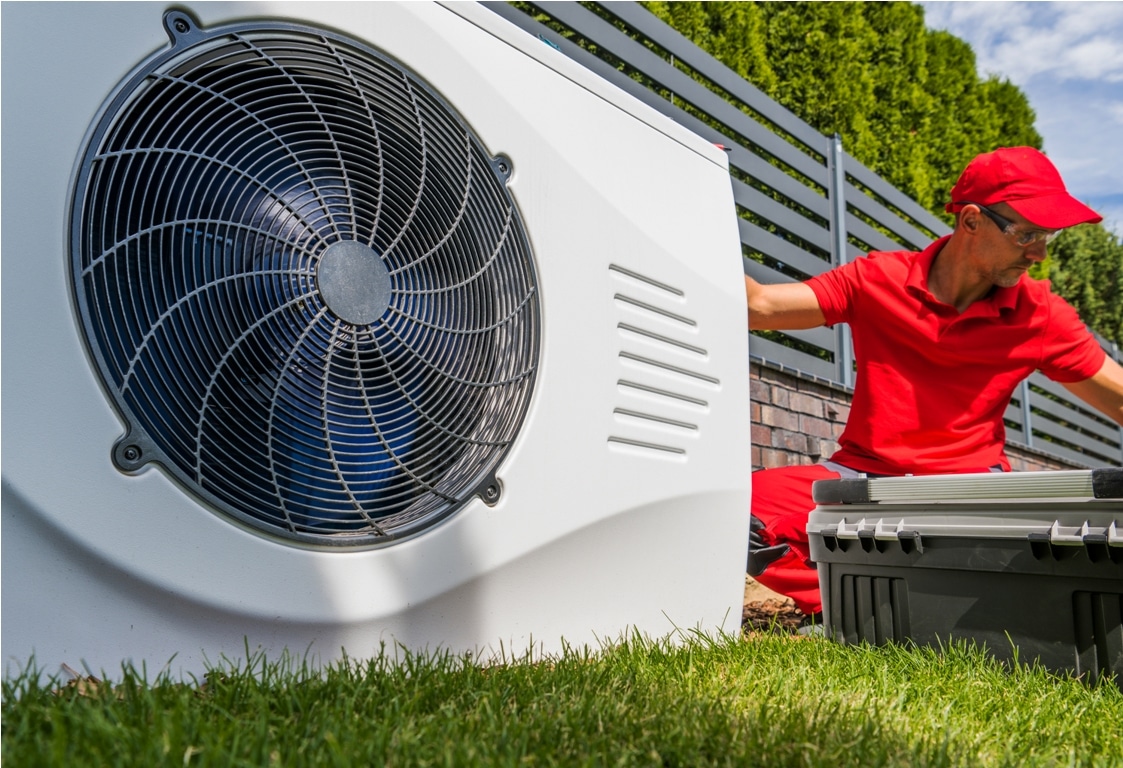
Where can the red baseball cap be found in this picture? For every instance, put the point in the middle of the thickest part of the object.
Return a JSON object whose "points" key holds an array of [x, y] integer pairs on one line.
{"points": [[1025, 180]]}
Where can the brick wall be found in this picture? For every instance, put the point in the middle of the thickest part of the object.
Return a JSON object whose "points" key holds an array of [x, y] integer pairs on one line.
{"points": [[797, 419]]}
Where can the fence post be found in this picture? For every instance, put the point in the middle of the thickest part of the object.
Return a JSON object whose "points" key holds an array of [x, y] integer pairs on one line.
{"points": [[1027, 424], [844, 355]]}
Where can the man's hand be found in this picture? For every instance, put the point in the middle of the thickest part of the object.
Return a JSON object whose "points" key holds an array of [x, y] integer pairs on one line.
{"points": [[761, 555]]}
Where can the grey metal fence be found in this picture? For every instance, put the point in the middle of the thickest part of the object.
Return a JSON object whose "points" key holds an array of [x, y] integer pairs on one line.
{"points": [[804, 205]]}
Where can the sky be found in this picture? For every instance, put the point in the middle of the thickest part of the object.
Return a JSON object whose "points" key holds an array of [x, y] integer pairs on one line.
{"points": [[1067, 57]]}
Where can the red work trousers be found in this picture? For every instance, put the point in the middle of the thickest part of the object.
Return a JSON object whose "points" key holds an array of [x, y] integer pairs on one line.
{"points": [[782, 501]]}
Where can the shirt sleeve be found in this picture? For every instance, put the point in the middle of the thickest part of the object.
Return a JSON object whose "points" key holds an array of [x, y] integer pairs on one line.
{"points": [[1069, 350], [835, 291]]}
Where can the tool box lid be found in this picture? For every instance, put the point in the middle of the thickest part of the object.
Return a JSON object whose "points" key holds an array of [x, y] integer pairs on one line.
{"points": [[1090, 484], [1066, 507]]}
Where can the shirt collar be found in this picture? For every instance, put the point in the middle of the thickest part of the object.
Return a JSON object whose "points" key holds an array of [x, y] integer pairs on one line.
{"points": [[999, 300]]}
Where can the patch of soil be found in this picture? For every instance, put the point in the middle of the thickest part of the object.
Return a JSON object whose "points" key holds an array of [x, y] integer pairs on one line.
{"points": [[768, 611]]}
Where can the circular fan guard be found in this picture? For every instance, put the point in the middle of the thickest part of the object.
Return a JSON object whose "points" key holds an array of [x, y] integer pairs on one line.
{"points": [[305, 284]]}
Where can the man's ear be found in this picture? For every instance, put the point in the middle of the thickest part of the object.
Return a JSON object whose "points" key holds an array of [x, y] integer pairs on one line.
{"points": [[969, 218]]}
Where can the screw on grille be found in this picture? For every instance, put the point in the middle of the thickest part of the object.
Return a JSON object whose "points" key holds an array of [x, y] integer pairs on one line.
{"points": [[502, 166], [491, 493], [129, 453]]}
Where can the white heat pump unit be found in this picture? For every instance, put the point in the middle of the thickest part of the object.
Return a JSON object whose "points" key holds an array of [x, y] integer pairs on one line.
{"points": [[328, 325]]}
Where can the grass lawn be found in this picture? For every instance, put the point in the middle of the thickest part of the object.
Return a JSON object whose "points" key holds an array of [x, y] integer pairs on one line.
{"points": [[766, 699]]}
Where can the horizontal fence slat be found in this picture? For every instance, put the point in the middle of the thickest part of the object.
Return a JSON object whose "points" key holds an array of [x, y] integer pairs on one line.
{"points": [[762, 273], [668, 38], [891, 194], [1016, 435], [793, 358], [1064, 412], [1069, 455], [1051, 413], [1044, 429], [821, 337], [909, 234], [1070, 410], [1038, 379], [774, 178], [780, 249], [780, 215], [877, 241]]}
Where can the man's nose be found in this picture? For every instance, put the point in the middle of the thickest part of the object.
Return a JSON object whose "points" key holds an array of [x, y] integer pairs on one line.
{"points": [[1036, 251]]}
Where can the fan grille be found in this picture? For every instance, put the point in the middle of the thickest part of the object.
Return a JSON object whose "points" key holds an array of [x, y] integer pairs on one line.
{"points": [[305, 284]]}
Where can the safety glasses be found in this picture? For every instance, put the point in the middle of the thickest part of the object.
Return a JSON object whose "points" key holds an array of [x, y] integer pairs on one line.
{"points": [[1022, 237]]}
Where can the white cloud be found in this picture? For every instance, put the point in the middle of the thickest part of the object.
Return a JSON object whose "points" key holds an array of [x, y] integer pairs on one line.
{"points": [[1065, 41]]}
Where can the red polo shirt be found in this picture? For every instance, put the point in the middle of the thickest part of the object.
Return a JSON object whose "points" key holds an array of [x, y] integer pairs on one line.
{"points": [[933, 384]]}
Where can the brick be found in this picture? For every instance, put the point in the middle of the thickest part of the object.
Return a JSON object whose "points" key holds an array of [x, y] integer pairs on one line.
{"points": [[771, 375], [759, 391], [837, 429], [776, 417], [789, 441], [754, 412], [780, 397], [804, 403], [809, 425], [837, 411], [820, 391], [770, 458], [1028, 460], [761, 435]]}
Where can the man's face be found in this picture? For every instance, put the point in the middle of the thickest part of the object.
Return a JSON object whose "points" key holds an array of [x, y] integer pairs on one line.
{"points": [[1003, 260]]}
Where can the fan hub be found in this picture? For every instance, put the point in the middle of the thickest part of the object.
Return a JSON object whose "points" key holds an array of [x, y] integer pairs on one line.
{"points": [[354, 282]]}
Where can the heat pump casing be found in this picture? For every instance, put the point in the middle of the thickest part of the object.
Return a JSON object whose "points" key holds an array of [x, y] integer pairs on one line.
{"points": [[624, 496]]}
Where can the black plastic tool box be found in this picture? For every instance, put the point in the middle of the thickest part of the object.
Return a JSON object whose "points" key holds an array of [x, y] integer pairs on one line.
{"points": [[1028, 564]]}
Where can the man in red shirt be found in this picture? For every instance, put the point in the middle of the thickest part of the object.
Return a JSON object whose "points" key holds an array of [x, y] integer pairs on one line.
{"points": [[941, 338]]}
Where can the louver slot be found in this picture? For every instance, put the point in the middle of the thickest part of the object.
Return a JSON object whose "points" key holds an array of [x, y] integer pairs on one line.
{"points": [[663, 380]]}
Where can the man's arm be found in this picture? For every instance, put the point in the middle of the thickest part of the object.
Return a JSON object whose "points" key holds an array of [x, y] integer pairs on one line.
{"points": [[1104, 390], [782, 306]]}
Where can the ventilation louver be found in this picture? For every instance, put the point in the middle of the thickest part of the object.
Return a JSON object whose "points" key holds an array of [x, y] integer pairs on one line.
{"points": [[305, 284]]}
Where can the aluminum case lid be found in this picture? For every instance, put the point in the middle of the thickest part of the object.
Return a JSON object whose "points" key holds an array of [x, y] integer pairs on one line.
{"points": [[1104, 483]]}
